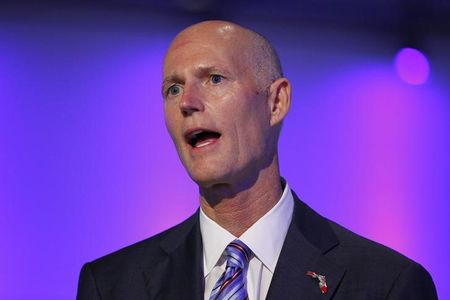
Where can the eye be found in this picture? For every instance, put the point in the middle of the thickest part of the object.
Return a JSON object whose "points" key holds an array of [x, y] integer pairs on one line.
{"points": [[173, 90], [215, 78]]}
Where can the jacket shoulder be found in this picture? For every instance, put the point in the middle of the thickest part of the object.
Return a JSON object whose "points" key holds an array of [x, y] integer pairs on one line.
{"points": [[151, 248], [379, 269], [123, 269], [360, 251]]}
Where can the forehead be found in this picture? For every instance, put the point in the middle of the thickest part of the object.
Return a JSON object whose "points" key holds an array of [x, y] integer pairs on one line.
{"points": [[190, 52]]}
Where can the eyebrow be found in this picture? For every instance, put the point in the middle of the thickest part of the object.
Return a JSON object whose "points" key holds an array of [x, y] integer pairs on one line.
{"points": [[206, 70], [171, 78], [198, 71]]}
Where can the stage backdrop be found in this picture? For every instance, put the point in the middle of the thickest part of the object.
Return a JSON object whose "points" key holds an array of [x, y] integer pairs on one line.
{"points": [[87, 167]]}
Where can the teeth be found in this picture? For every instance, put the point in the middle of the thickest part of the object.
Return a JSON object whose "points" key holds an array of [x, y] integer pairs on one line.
{"points": [[205, 143]]}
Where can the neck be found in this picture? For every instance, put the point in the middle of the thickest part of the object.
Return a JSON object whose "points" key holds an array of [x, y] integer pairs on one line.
{"points": [[236, 207]]}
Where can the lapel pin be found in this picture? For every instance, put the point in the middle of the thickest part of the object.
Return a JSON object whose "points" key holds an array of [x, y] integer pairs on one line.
{"points": [[322, 281]]}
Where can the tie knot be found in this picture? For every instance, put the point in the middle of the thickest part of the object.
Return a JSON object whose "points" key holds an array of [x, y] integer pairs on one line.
{"points": [[238, 254]]}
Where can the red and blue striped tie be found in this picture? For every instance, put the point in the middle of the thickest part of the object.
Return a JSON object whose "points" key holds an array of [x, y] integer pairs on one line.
{"points": [[232, 285]]}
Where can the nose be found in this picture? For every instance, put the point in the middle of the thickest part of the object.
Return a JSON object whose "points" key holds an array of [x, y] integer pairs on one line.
{"points": [[191, 101]]}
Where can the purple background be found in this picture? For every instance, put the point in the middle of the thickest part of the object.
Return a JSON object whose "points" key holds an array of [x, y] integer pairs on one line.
{"points": [[86, 165]]}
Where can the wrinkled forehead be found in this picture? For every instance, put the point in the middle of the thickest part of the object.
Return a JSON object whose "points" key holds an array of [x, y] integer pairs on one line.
{"points": [[215, 33], [225, 40], [220, 34]]}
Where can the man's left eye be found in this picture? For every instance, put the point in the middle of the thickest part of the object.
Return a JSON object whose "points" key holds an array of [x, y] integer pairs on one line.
{"points": [[215, 79]]}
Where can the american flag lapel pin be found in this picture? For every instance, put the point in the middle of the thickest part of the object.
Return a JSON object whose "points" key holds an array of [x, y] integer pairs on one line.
{"points": [[322, 281]]}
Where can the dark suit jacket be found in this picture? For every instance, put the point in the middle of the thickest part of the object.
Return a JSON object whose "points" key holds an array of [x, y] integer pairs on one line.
{"points": [[169, 266]]}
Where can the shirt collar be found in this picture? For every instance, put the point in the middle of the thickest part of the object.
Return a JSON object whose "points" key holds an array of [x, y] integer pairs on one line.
{"points": [[215, 239], [265, 237]]}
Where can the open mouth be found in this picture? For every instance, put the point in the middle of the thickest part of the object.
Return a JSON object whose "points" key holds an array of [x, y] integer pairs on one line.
{"points": [[201, 138]]}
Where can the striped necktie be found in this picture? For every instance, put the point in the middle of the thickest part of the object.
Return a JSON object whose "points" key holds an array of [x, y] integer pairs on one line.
{"points": [[232, 285]]}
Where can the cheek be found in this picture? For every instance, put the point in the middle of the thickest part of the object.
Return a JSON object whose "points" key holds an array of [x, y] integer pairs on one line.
{"points": [[251, 127], [252, 113], [171, 122]]}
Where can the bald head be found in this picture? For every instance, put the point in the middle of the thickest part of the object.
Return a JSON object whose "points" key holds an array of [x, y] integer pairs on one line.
{"points": [[254, 49]]}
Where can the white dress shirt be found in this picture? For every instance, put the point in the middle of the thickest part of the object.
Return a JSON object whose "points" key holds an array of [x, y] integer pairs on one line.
{"points": [[265, 238]]}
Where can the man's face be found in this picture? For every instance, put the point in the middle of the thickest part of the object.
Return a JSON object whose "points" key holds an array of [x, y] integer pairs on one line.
{"points": [[217, 118]]}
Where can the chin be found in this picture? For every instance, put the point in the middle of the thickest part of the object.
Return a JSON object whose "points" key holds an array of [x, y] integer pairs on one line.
{"points": [[205, 181], [207, 178]]}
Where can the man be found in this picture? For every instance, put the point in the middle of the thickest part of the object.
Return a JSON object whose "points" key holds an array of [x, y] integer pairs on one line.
{"points": [[225, 99]]}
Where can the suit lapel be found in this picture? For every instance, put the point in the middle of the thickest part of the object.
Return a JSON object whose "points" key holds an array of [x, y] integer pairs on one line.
{"points": [[180, 274], [308, 239]]}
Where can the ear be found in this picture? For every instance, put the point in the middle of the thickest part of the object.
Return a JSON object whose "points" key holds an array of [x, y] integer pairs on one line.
{"points": [[279, 100]]}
